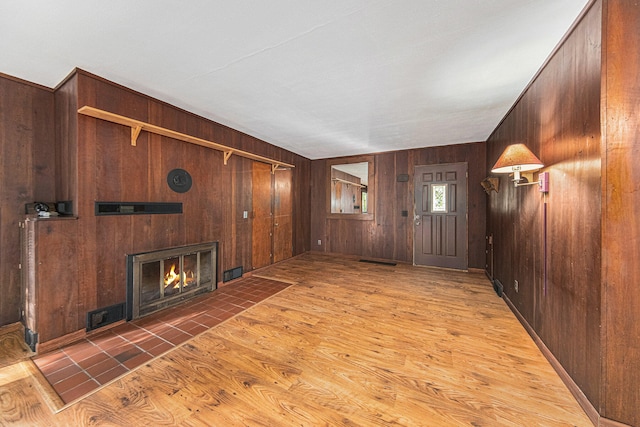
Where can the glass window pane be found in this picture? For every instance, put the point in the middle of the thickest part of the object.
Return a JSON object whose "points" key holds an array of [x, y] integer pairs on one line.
{"points": [[206, 267], [150, 282], [439, 198], [189, 271]]}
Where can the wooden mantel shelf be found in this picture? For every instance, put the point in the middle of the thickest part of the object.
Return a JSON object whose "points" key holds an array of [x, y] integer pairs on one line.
{"points": [[137, 126]]}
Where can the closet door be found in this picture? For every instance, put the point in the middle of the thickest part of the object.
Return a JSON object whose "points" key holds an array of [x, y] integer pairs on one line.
{"points": [[272, 211], [282, 221]]}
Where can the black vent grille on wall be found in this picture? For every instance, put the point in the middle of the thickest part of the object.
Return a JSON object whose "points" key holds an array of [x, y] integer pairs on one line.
{"points": [[234, 273], [137, 208], [105, 316]]}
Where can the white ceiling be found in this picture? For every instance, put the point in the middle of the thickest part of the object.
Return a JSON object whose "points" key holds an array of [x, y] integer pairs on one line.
{"points": [[322, 78]]}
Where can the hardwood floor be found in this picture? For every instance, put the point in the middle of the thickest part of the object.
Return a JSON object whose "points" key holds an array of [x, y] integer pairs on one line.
{"points": [[350, 344]]}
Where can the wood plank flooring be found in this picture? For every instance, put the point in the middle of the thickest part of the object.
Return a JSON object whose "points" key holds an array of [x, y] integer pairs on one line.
{"points": [[349, 344]]}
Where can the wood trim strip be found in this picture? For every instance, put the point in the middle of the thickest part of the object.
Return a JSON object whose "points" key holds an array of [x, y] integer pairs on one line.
{"points": [[25, 82], [55, 343], [606, 422], [137, 126]]}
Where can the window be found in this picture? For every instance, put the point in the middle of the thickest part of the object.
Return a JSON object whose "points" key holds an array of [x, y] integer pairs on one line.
{"points": [[439, 198]]}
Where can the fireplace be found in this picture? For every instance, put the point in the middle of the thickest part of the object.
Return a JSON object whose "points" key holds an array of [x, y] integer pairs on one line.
{"points": [[159, 279]]}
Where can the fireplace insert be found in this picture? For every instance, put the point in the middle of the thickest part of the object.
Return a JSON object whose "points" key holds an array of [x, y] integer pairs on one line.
{"points": [[162, 278]]}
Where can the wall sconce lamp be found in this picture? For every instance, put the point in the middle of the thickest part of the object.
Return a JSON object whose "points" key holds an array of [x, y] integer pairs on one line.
{"points": [[517, 158]]}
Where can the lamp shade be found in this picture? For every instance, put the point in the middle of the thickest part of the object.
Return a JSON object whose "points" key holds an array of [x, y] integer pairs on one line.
{"points": [[517, 157]]}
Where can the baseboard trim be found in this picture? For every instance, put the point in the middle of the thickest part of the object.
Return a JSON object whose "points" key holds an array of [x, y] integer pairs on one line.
{"points": [[70, 338], [61, 341], [606, 422]]}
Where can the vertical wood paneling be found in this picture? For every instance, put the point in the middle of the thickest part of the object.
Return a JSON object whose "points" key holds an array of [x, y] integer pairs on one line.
{"points": [[97, 162], [390, 234], [27, 174], [403, 201], [318, 222], [558, 118], [621, 210], [54, 281], [66, 141], [242, 195], [383, 228], [301, 216], [115, 241], [212, 208]]}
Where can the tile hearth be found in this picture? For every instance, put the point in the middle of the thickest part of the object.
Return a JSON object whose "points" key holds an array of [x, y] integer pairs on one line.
{"points": [[82, 367]]}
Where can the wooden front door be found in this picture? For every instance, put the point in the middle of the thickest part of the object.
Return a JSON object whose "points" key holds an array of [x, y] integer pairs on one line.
{"points": [[272, 223], [440, 219]]}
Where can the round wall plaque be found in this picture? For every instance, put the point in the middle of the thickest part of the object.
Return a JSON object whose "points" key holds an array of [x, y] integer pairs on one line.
{"points": [[179, 180]]}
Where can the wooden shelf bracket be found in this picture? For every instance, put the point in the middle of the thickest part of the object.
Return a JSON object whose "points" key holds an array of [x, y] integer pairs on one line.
{"points": [[135, 133], [138, 126], [227, 155]]}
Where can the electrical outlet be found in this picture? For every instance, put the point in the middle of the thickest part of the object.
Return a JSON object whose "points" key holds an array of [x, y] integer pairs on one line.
{"points": [[319, 242], [515, 285]]}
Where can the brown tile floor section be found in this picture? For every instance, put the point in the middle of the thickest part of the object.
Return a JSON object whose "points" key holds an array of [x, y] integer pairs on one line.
{"points": [[80, 368]]}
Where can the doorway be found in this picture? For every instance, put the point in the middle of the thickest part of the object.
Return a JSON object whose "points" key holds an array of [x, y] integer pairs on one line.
{"points": [[440, 217], [272, 225]]}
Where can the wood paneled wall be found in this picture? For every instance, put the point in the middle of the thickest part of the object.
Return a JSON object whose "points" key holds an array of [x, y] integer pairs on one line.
{"points": [[49, 153], [390, 235], [558, 273], [573, 251], [26, 175], [621, 211], [110, 169]]}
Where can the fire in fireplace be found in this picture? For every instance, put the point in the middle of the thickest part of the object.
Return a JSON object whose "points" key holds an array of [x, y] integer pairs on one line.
{"points": [[159, 279]]}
